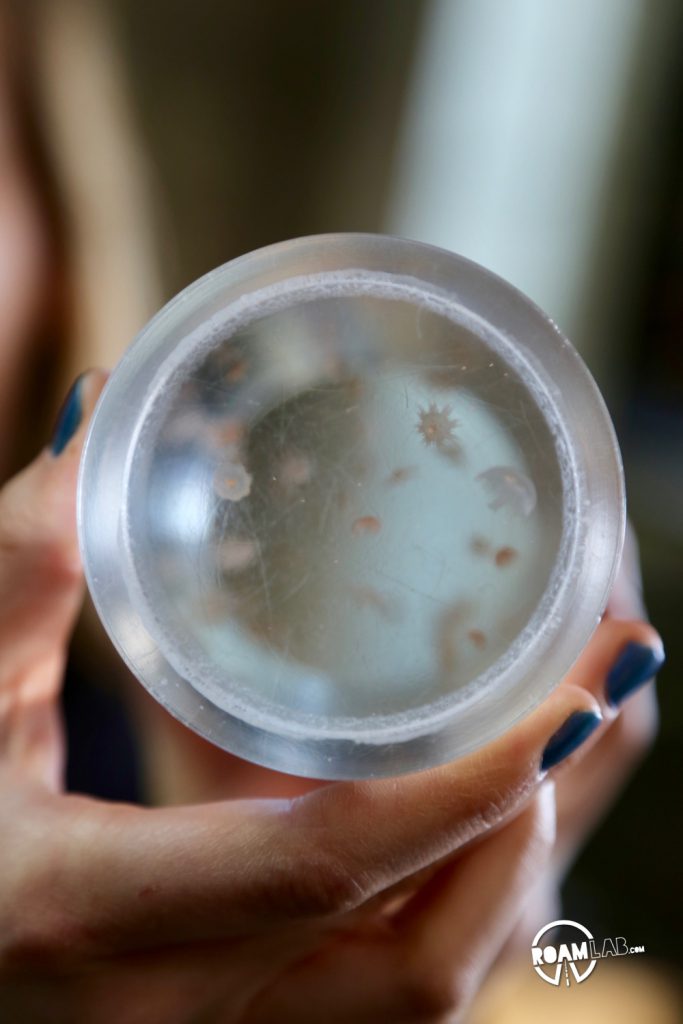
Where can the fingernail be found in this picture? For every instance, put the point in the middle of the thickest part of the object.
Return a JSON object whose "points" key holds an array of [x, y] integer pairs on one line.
{"points": [[568, 737], [69, 417], [635, 666]]}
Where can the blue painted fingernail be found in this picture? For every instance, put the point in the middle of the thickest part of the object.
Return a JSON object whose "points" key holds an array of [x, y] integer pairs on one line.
{"points": [[69, 417], [568, 737], [635, 666]]}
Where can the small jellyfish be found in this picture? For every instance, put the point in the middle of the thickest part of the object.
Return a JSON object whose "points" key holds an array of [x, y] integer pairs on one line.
{"points": [[477, 638], [505, 556], [509, 487], [295, 469], [232, 481], [366, 524], [236, 553], [437, 426]]}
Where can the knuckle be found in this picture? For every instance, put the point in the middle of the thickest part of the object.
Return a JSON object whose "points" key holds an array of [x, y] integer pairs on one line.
{"points": [[321, 887]]}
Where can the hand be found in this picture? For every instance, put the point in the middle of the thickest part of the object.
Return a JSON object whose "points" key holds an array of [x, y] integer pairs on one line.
{"points": [[367, 901], [586, 789]]}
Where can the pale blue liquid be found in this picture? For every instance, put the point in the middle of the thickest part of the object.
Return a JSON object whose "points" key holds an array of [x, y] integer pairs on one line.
{"points": [[311, 543]]}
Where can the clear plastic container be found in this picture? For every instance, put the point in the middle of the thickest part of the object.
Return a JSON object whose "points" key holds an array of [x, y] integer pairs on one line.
{"points": [[350, 506]]}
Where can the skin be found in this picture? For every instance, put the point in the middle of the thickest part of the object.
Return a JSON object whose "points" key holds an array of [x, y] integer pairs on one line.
{"points": [[365, 901], [387, 900]]}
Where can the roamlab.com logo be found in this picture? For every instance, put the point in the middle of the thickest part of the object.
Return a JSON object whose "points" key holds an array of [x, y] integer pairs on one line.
{"points": [[575, 951]]}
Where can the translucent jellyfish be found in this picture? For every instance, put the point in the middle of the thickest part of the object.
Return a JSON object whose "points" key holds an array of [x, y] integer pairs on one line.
{"points": [[437, 426], [295, 469], [477, 638], [507, 486], [231, 481], [366, 524], [237, 553], [505, 556]]}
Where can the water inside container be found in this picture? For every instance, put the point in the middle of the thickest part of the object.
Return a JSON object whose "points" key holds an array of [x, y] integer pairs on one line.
{"points": [[349, 506]]}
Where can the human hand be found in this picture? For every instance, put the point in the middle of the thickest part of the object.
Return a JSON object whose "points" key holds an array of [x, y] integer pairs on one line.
{"points": [[586, 789], [385, 900]]}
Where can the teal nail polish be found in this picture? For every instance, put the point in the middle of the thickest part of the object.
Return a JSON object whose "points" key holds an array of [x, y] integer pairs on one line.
{"points": [[634, 667], [568, 737], [69, 417]]}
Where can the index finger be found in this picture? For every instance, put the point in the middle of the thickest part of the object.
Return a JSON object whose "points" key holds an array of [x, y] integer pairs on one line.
{"points": [[109, 877]]}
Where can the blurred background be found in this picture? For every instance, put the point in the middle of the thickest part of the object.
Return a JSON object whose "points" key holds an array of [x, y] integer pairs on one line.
{"points": [[542, 139]]}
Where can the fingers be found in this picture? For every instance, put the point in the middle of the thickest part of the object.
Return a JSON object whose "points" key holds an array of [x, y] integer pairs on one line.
{"points": [[214, 871], [428, 963], [640, 651], [585, 794], [40, 587], [627, 652], [131, 876], [384, 830], [413, 823], [621, 659]]}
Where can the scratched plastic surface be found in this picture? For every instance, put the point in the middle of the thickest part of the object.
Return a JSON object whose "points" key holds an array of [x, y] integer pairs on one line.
{"points": [[353, 507]]}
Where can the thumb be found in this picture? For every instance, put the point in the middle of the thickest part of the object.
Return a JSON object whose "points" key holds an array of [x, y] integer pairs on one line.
{"points": [[41, 587]]}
